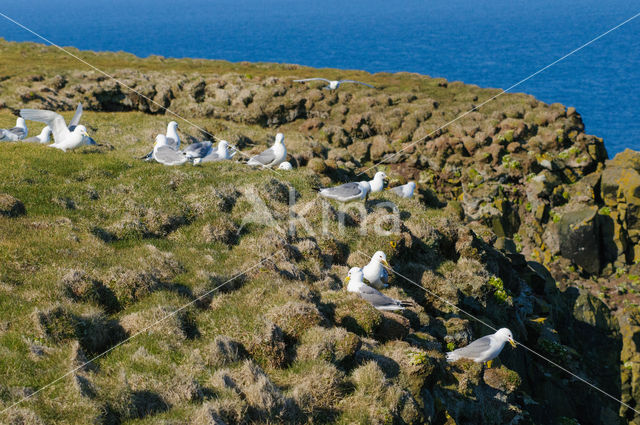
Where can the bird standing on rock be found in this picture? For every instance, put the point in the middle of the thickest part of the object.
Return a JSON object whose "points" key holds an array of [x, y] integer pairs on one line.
{"points": [[483, 349]]}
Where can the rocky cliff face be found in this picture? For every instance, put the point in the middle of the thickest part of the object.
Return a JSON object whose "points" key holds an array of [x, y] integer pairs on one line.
{"points": [[520, 219]]}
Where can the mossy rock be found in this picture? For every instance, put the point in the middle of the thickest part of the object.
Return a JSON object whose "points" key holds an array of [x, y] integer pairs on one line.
{"points": [[502, 379], [336, 345], [11, 206], [356, 315], [294, 318]]}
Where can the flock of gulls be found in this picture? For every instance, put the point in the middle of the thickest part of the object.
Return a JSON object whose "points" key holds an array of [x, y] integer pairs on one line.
{"points": [[366, 282]]}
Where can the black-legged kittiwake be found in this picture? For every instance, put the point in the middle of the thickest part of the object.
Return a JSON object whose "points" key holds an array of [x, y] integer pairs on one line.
{"points": [[62, 137], [19, 132], [376, 298], [483, 349], [333, 84], [404, 191], [43, 137], [273, 156], [375, 273]]}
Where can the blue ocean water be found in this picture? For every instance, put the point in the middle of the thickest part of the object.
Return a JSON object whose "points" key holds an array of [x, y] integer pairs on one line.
{"points": [[493, 43]]}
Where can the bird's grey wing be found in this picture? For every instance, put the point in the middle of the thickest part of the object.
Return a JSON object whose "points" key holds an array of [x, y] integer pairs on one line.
{"points": [[168, 156], [76, 117], [311, 79], [377, 298], [52, 119], [357, 82], [18, 131], [173, 143], [33, 139], [264, 158], [397, 190], [344, 191], [476, 349], [212, 157], [198, 149]]}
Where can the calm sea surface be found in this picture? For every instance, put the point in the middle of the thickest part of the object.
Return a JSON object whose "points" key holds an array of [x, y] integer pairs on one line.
{"points": [[492, 43]]}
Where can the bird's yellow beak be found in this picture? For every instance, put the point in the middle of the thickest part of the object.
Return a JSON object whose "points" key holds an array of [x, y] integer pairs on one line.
{"points": [[513, 343], [385, 263], [347, 279]]}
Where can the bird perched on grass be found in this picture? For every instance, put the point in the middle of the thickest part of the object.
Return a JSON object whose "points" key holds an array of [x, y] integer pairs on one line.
{"points": [[347, 192], [172, 139], [404, 191], [43, 137], [220, 153], [273, 156], [333, 84], [165, 154], [483, 349], [376, 298], [375, 273], [63, 138], [16, 133]]}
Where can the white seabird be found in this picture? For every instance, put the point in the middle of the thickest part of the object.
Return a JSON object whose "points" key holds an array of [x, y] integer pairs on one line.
{"points": [[273, 156], [166, 154], [172, 139], [372, 295], [333, 84], [375, 273], [62, 137], [221, 153], [285, 166], [483, 349], [347, 192], [16, 133], [404, 191], [43, 137], [378, 182]]}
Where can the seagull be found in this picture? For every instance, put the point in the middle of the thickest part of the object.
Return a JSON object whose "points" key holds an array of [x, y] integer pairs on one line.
{"points": [[62, 137], [333, 84], [166, 154], [219, 154], [378, 182], [347, 192], [372, 295], [273, 156], [16, 133], [172, 138], [404, 191], [285, 166], [43, 137], [74, 123], [375, 273], [484, 349]]}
